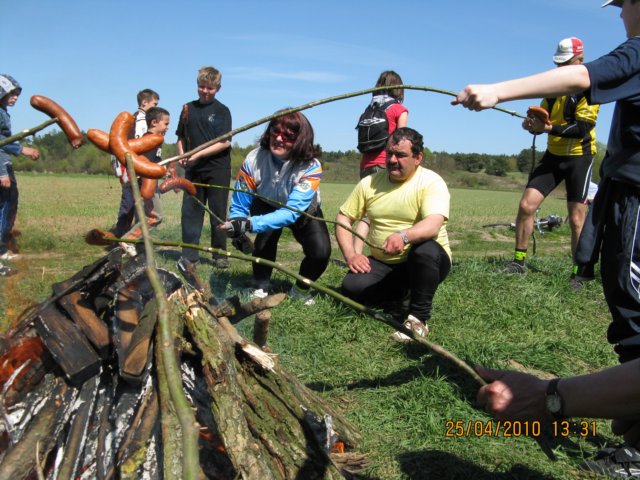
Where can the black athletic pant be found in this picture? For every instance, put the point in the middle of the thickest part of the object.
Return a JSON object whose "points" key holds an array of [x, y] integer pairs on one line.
{"points": [[426, 267], [312, 235], [193, 213], [620, 268]]}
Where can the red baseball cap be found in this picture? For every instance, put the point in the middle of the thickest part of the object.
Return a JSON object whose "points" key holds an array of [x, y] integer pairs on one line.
{"points": [[567, 49]]}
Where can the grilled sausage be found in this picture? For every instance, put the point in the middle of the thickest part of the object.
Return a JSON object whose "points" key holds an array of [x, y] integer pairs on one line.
{"points": [[67, 124], [177, 182], [119, 145], [138, 145]]}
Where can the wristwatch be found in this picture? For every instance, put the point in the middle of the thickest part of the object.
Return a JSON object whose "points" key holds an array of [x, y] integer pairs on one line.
{"points": [[404, 236], [553, 400]]}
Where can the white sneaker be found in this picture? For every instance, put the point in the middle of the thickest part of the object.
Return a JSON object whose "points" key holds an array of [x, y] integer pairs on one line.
{"points": [[305, 297], [9, 255], [258, 293], [129, 248], [412, 323]]}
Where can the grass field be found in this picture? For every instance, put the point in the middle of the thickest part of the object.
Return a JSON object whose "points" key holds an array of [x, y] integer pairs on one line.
{"points": [[401, 398]]}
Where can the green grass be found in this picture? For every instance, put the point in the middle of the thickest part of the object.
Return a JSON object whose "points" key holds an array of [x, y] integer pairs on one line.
{"points": [[400, 397]]}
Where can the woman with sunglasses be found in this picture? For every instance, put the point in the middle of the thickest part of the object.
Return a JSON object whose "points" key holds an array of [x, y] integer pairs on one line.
{"points": [[283, 168]]}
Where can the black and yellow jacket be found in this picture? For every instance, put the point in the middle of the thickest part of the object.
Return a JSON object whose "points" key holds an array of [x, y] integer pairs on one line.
{"points": [[573, 123]]}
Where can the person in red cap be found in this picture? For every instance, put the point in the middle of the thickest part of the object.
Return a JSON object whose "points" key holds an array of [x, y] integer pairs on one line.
{"points": [[571, 146], [610, 234]]}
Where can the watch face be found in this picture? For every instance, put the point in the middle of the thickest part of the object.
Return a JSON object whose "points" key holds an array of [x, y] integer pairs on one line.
{"points": [[554, 403]]}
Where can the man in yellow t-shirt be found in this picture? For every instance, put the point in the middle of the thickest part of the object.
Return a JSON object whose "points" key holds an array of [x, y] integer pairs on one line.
{"points": [[408, 208]]}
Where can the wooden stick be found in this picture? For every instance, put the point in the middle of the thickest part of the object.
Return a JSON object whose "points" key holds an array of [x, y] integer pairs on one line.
{"points": [[190, 452], [293, 209], [306, 106], [26, 133], [375, 314]]}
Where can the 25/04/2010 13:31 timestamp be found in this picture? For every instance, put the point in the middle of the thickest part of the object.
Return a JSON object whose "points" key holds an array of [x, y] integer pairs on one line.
{"points": [[506, 428]]}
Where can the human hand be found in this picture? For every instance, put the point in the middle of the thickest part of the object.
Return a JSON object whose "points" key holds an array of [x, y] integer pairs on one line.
{"points": [[477, 97], [512, 395], [537, 120], [236, 227], [393, 244], [5, 182], [359, 263], [31, 152]]}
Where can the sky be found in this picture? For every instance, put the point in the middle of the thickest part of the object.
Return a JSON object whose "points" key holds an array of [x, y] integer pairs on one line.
{"points": [[93, 57]]}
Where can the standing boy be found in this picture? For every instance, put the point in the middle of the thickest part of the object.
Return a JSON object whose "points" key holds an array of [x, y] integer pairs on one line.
{"points": [[203, 120], [610, 230], [157, 120], [147, 98], [571, 146], [9, 92]]}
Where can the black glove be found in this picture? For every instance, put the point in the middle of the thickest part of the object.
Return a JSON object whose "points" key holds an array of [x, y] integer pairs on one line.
{"points": [[237, 227], [243, 243]]}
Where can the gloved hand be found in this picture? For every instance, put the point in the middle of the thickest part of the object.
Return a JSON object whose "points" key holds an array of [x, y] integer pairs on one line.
{"points": [[237, 227], [243, 243]]}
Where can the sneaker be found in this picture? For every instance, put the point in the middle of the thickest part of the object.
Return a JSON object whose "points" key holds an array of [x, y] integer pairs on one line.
{"points": [[6, 271], [8, 255], [412, 323], [129, 248], [257, 293], [623, 462], [299, 295], [221, 262], [515, 268], [188, 271]]}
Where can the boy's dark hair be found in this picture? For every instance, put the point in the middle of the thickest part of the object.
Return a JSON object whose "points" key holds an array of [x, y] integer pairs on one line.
{"points": [[389, 77], [296, 124], [147, 94], [155, 113], [409, 134]]}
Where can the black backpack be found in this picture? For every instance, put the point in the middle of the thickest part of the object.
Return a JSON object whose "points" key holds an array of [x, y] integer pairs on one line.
{"points": [[373, 127]]}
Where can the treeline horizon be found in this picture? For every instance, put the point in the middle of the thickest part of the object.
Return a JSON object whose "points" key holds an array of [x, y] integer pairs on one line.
{"points": [[57, 156]]}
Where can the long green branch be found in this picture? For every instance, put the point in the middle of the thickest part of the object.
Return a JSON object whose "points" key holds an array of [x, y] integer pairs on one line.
{"points": [[376, 314], [283, 205], [190, 452], [26, 133], [306, 106]]}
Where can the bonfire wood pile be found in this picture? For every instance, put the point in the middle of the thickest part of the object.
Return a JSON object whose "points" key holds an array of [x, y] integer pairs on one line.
{"points": [[83, 395]]}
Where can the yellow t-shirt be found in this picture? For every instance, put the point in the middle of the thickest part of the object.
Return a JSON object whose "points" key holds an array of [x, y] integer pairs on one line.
{"points": [[392, 207]]}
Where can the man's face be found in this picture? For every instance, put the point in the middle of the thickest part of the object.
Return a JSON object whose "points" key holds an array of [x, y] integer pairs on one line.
{"points": [[401, 163], [207, 92]]}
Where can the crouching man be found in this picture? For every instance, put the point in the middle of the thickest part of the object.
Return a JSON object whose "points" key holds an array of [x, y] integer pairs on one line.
{"points": [[408, 208]]}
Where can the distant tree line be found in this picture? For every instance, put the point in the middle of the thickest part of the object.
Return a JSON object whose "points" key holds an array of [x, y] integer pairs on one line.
{"points": [[57, 156]]}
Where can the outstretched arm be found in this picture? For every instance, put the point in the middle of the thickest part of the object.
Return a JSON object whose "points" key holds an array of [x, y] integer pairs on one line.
{"points": [[552, 83]]}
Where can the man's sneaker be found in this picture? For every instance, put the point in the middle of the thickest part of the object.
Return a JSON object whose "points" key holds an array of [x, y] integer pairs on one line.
{"points": [[6, 271], [257, 293], [8, 255], [299, 295], [577, 281], [129, 248], [515, 268], [412, 323], [221, 262], [188, 271], [623, 462]]}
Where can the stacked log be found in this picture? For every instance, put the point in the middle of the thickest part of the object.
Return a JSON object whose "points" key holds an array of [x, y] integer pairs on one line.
{"points": [[83, 395]]}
